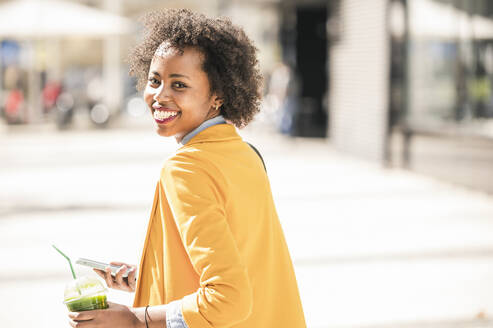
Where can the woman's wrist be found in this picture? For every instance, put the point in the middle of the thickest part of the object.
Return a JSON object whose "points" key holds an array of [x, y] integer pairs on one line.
{"points": [[156, 316]]}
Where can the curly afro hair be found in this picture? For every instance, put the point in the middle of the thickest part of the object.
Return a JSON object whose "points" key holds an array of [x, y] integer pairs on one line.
{"points": [[230, 58]]}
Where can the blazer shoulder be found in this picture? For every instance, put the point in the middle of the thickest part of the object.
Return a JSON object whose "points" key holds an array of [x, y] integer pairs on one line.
{"points": [[192, 158]]}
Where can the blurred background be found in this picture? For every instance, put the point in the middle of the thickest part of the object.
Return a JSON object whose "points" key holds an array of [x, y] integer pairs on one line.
{"points": [[376, 127]]}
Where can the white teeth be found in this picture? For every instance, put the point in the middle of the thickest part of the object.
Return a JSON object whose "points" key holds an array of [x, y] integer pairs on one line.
{"points": [[162, 115]]}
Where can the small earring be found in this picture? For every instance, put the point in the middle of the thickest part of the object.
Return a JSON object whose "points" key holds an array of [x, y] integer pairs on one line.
{"points": [[217, 107]]}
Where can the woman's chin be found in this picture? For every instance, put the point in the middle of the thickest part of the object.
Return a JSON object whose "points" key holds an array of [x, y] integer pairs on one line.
{"points": [[163, 133]]}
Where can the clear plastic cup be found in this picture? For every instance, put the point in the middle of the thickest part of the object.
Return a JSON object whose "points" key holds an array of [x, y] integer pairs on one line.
{"points": [[84, 294]]}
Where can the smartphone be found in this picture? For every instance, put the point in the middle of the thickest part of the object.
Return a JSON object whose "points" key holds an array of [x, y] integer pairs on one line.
{"points": [[100, 266]]}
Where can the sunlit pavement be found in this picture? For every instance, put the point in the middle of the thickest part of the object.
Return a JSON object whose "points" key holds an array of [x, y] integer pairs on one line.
{"points": [[371, 247]]}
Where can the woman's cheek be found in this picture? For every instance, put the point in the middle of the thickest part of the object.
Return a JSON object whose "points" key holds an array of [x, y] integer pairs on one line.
{"points": [[149, 92]]}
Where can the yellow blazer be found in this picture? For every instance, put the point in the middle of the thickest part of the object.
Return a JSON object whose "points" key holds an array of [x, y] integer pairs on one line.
{"points": [[214, 239]]}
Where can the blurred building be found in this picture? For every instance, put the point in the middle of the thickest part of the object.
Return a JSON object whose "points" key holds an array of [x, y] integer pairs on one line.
{"points": [[441, 90], [398, 82]]}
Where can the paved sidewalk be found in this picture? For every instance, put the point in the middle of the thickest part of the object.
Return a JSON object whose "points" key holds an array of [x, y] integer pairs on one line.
{"points": [[382, 248], [371, 247]]}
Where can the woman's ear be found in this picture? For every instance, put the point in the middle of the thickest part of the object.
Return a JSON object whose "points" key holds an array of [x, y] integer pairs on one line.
{"points": [[218, 101]]}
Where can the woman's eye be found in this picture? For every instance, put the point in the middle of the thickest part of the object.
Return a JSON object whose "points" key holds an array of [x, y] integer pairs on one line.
{"points": [[153, 80], [179, 85]]}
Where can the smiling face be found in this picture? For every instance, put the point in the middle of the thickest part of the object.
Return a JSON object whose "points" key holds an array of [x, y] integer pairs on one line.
{"points": [[178, 92]]}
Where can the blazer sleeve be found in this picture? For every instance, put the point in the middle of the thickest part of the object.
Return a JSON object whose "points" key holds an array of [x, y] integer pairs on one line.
{"points": [[224, 297]]}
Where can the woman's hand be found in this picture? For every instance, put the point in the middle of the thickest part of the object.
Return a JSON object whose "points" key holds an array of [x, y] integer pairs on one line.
{"points": [[117, 281], [116, 315]]}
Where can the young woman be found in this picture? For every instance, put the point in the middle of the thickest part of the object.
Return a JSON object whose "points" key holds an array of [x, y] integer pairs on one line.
{"points": [[214, 254]]}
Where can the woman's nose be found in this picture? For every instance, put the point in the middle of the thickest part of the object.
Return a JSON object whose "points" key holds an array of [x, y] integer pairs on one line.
{"points": [[161, 94]]}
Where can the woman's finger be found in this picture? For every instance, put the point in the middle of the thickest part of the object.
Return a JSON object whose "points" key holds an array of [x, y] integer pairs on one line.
{"points": [[132, 279], [119, 276], [108, 277], [81, 316], [100, 273], [81, 319], [79, 324]]}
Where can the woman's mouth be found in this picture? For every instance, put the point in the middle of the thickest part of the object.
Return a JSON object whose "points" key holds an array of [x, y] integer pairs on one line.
{"points": [[164, 116]]}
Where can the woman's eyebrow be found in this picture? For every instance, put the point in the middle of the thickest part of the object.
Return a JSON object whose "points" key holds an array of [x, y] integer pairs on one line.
{"points": [[179, 75]]}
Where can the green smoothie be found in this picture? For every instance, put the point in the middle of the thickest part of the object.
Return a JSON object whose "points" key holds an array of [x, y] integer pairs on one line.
{"points": [[87, 303], [84, 294]]}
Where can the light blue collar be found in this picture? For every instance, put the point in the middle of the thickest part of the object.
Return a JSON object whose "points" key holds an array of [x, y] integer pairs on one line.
{"points": [[213, 121]]}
